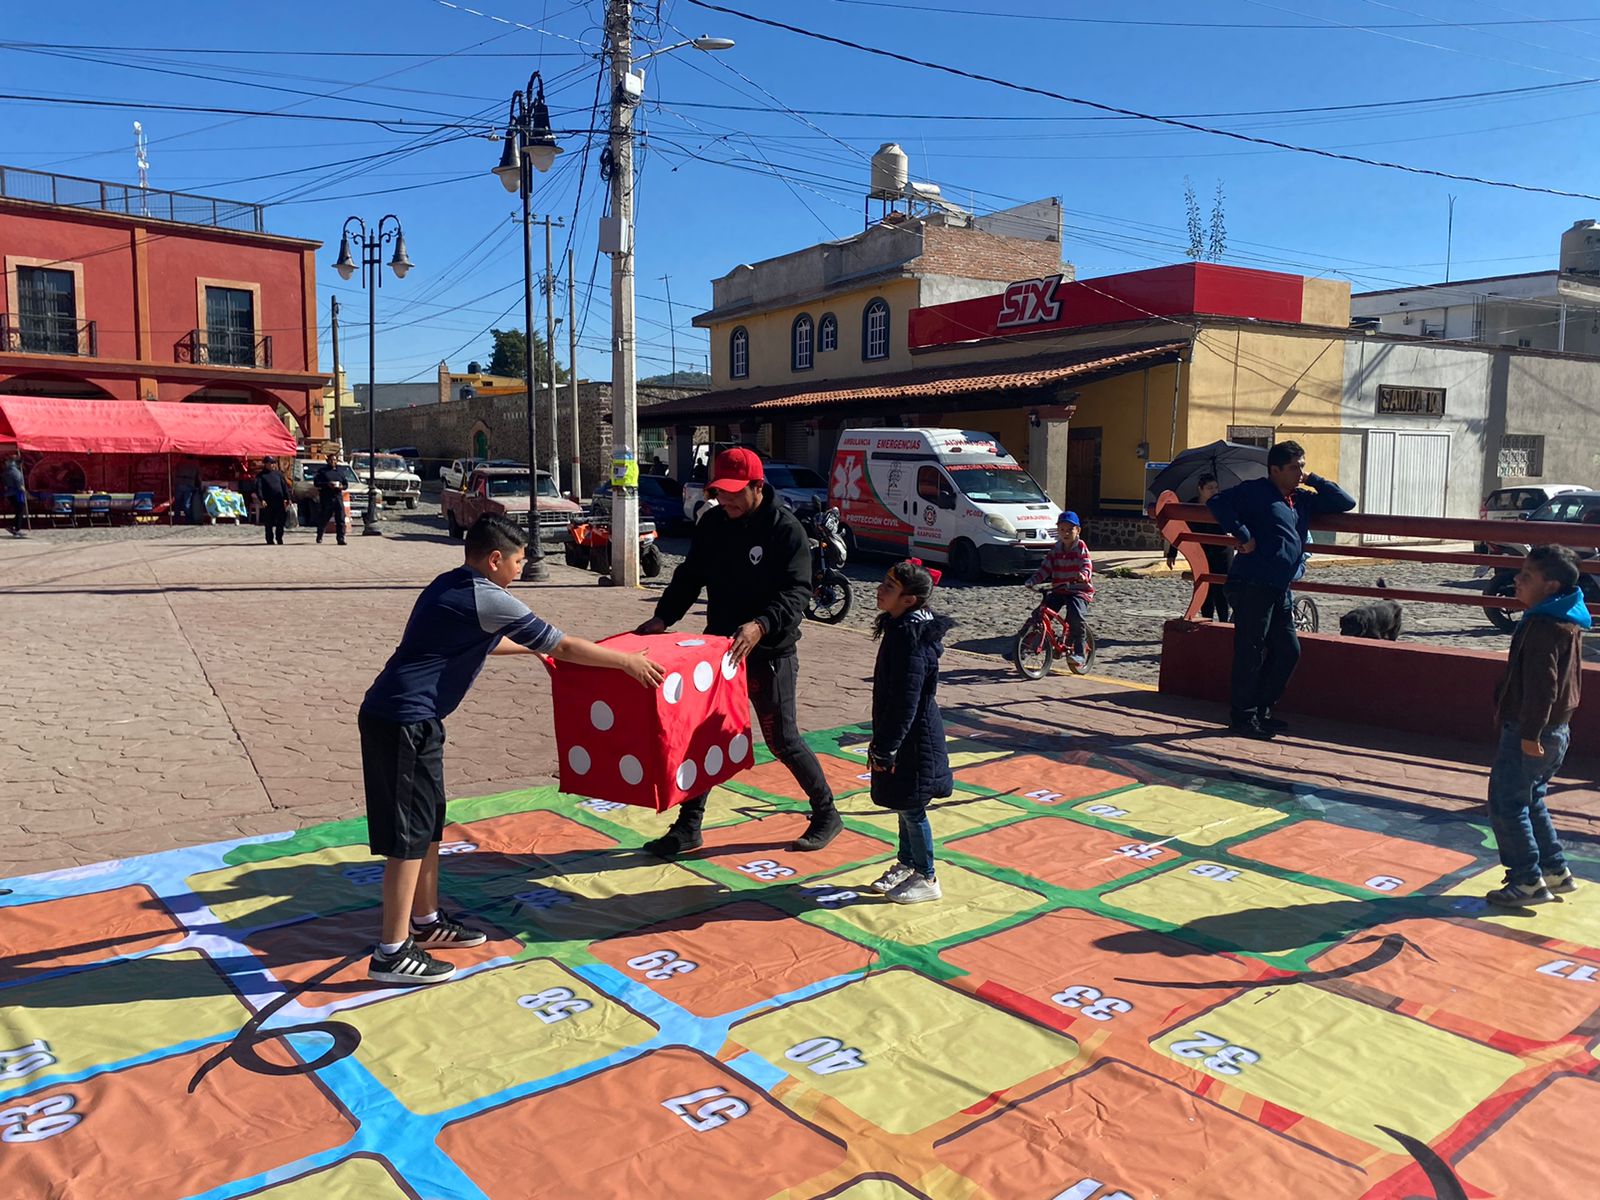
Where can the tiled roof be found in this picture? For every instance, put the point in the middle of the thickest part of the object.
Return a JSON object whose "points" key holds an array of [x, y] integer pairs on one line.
{"points": [[954, 379]]}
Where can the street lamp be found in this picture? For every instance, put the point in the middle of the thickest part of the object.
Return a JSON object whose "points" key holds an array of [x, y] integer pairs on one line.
{"points": [[388, 229], [627, 90], [529, 146]]}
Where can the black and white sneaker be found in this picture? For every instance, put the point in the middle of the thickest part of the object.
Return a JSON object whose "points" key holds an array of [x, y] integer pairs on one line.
{"points": [[446, 931], [408, 965]]}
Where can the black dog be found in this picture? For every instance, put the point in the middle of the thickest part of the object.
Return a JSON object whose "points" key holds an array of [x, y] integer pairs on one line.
{"points": [[1380, 619]]}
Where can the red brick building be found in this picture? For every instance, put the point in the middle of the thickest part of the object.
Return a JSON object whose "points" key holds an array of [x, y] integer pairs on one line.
{"points": [[117, 292]]}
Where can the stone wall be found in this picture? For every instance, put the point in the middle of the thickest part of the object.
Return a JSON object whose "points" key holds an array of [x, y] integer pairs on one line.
{"points": [[443, 432], [1121, 533]]}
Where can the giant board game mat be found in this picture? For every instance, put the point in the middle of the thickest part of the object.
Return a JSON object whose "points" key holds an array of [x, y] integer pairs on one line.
{"points": [[1141, 982]]}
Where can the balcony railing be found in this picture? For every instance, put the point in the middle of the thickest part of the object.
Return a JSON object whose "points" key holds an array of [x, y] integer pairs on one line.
{"points": [[70, 191], [223, 348], [48, 335]]}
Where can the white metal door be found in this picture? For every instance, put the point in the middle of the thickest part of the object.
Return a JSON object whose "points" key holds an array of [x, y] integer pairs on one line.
{"points": [[1406, 475]]}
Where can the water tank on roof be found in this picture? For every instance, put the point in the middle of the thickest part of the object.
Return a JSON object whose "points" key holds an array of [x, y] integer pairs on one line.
{"points": [[1580, 249], [473, 368], [890, 171]]}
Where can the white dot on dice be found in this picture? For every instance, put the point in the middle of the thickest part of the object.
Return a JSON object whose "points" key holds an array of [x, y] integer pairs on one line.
{"points": [[704, 674], [738, 748], [729, 667], [687, 774], [631, 768], [672, 688], [601, 716], [578, 760], [714, 760]]}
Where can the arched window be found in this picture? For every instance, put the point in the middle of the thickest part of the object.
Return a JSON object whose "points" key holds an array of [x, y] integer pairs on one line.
{"points": [[739, 353], [800, 343], [827, 333], [875, 330]]}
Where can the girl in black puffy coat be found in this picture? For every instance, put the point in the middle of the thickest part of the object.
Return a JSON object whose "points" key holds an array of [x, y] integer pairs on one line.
{"points": [[910, 765]]}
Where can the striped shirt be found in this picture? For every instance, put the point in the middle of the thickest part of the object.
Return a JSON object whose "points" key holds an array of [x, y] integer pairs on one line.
{"points": [[459, 618], [1067, 568]]}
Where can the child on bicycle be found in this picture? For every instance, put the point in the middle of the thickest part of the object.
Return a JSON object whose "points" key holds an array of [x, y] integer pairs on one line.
{"points": [[1069, 571], [910, 765]]}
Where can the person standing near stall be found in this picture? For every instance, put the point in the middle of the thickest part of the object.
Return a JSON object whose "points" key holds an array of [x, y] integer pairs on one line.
{"points": [[272, 490], [15, 489], [331, 487]]}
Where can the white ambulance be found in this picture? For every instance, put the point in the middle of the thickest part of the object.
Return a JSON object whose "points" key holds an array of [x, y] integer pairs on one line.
{"points": [[947, 496]]}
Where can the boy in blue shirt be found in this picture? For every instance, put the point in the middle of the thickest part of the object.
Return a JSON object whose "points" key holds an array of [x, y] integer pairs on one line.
{"points": [[460, 619]]}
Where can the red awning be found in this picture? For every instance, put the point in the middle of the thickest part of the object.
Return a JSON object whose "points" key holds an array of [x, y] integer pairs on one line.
{"points": [[46, 423]]}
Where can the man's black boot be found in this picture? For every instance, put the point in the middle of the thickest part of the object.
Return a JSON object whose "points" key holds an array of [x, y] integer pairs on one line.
{"points": [[1245, 724], [824, 827], [1270, 723], [682, 838]]}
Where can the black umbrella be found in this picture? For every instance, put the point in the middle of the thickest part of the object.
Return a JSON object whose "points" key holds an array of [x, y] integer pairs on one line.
{"points": [[1230, 462]]}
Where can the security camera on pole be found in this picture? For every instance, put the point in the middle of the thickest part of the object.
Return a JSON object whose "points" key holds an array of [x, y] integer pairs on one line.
{"points": [[617, 240]]}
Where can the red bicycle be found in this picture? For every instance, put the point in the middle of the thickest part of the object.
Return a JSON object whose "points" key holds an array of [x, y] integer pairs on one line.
{"points": [[1046, 636]]}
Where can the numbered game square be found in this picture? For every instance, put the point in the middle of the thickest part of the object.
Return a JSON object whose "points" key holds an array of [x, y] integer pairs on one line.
{"points": [[359, 1177], [759, 850], [1339, 1061], [732, 957], [673, 1122], [49, 934], [537, 832], [1243, 909], [276, 891], [1573, 918], [901, 1051], [873, 1187], [1043, 780], [1197, 818], [522, 1022], [1545, 1147], [140, 1133], [1375, 861], [1117, 1131], [1088, 973], [723, 806], [952, 816], [1065, 853], [971, 902], [774, 779]]}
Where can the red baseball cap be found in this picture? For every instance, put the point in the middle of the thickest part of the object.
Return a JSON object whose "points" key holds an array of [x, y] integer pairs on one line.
{"points": [[735, 469]]}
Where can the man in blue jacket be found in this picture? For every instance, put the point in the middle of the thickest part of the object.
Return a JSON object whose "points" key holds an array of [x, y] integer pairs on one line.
{"points": [[1271, 519]]}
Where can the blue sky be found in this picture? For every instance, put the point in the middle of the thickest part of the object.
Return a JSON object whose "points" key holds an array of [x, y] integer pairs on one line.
{"points": [[722, 185]]}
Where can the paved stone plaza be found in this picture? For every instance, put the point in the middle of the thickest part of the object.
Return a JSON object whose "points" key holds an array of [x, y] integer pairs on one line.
{"points": [[170, 687]]}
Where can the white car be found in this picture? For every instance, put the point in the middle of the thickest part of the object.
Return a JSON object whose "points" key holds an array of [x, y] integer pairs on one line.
{"points": [[396, 480], [1514, 503], [455, 475]]}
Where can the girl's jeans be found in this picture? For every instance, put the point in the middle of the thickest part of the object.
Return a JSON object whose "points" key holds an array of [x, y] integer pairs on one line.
{"points": [[1523, 832], [916, 841]]}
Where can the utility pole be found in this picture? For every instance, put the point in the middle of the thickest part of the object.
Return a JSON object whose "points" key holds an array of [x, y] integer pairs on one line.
{"points": [[672, 329], [624, 398], [550, 356], [338, 380], [572, 377], [1449, 235]]}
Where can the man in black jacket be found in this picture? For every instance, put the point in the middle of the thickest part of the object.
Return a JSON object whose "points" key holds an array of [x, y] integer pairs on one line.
{"points": [[753, 560], [331, 485], [272, 489]]}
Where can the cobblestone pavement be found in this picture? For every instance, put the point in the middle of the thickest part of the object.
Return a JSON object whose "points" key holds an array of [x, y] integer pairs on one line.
{"points": [[1128, 613], [169, 687]]}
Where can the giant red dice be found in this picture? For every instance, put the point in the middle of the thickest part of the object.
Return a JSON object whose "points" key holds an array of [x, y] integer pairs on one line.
{"points": [[653, 748]]}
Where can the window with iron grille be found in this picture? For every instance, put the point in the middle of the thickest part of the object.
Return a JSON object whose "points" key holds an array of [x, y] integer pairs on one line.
{"points": [[875, 331], [230, 327], [47, 310], [827, 333], [1521, 456], [800, 356], [739, 354], [1252, 435]]}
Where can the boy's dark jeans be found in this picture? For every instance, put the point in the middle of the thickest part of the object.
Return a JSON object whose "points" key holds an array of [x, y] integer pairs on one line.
{"points": [[773, 694], [1265, 648], [916, 841], [1523, 832], [1075, 609]]}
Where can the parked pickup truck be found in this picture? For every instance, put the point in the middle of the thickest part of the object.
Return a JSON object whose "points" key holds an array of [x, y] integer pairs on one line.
{"points": [[398, 483], [504, 490]]}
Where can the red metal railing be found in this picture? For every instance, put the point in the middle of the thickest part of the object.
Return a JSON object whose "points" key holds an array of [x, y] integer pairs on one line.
{"points": [[1173, 520]]}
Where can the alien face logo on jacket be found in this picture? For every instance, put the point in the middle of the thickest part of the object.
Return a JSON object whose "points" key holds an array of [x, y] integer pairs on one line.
{"points": [[755, 556]]}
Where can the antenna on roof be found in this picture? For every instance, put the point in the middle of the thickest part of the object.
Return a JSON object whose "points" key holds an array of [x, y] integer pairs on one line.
{"points": [[141, 154]]}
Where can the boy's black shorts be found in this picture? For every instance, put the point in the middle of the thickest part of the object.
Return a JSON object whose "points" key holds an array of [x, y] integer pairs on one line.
{"points": [[403, 767]]}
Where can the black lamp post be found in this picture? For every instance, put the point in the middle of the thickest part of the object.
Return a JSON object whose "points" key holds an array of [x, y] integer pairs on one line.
{"points": [[529, 146], [388, 229]]}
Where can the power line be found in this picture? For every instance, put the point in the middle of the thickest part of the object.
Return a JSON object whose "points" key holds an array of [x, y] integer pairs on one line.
{"points": [[1029, 89], [209, 51], [1229, 25]]}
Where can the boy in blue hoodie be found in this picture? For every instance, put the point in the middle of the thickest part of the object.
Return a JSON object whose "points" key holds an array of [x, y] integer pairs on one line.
{"points": [[1536, 700]]}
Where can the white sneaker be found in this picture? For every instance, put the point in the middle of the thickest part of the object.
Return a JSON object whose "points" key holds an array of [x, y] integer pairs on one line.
{"points": [[892, 878], [915, 889]]}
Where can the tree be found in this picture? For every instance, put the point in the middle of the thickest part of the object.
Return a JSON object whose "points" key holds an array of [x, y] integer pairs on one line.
{"points": [[511, 354], [1217, 244], [1191, 209]]}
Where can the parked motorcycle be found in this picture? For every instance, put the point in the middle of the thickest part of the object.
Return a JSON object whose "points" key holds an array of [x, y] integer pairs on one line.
{"points": [[1503, 583], [830, 587], [588, 545]]}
